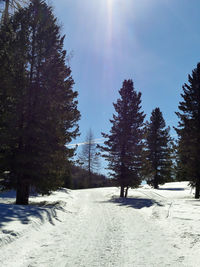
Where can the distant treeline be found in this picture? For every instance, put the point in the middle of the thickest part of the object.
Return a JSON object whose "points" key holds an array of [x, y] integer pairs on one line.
{"points": [[79, 178]]}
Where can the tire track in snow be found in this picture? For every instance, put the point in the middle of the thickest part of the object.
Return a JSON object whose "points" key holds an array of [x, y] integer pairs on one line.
{"points": [[100, 233]]}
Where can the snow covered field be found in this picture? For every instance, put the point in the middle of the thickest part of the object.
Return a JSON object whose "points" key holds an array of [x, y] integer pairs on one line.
{"points": [[95, 227]]}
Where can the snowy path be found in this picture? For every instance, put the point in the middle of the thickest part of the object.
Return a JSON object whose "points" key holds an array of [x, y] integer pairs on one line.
{"points": [[98, 229]]}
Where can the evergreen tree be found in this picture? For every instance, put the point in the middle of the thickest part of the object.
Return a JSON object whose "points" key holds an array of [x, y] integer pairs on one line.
{"points": [[188, 131], [44, 114], [158, 152], [9, 69], [8, 5], [79, 177], [88, 157], [123, 148]]}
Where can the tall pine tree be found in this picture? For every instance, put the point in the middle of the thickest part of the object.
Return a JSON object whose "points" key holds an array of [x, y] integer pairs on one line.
{"points": [[123, 148], [188, 131], [44, 106], [158, 152], [9, 69]]}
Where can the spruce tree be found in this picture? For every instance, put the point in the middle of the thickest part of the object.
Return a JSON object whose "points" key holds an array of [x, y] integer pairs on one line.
{"points": [[158, 152], [44, 102], [188, 131], [9, 69], [123, 148]]}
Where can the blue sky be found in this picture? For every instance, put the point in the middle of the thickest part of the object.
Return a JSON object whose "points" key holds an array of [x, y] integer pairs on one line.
{"points": [[154, 42]]}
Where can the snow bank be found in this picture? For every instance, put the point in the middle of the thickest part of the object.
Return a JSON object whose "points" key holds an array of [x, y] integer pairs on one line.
{"points": [[16, 220]]}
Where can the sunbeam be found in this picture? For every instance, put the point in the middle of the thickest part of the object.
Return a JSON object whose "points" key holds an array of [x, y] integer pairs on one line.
{"points": [[110, 18]]}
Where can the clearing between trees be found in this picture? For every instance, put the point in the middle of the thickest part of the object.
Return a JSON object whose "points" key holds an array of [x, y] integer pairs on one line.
{"points": [[95, 227]]}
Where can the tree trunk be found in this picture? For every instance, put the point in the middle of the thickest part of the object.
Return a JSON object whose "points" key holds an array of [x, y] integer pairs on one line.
{"points": [[90, 179], [6, 11], [197, 189], [122, 191], [22, 195], [155, 185], [126, 192], [155, 182]]}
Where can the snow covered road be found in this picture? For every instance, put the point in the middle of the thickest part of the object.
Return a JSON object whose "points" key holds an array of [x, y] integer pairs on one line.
{"points": [[96, 228]]}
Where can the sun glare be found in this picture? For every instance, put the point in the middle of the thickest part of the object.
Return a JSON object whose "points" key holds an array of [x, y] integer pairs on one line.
{"points": [[110, 2], [110, 6], [110, 17]]}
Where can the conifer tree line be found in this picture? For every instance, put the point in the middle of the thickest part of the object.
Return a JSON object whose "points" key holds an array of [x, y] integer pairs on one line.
{"points": [[188, 130], [38, 106], [39, 116], [138, 150]]}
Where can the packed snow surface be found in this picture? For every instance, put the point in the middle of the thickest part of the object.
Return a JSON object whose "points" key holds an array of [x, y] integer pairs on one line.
{"points": [[94, 227]]}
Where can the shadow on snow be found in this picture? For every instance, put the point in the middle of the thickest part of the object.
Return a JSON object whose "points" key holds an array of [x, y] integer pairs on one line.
{"points": [[42, 210], [172, 189], [24, 214], [136, 203], [8, 194]]}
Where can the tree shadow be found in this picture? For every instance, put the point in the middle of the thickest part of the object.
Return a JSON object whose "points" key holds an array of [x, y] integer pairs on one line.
{"points": [[8, 194], [64, 190], [136, 203], [24, 214], [172, 189], [42, 210]]}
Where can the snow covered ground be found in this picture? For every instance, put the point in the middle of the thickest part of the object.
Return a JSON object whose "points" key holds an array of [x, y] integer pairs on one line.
{"points": [[94, 227]]}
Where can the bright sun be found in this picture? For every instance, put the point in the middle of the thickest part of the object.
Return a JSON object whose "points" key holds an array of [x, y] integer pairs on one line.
{"points": [[110, 4]]}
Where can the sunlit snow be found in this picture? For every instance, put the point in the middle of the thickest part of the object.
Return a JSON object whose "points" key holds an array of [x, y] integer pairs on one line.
{"points": [[94, 227]]}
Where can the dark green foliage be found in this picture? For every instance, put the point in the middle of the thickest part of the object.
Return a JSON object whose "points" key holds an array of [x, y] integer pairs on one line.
{"points": [[8, 71], [188, 131], [123, 148], [158, 152], [10, 6], [80, 179], [42, 117]]}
